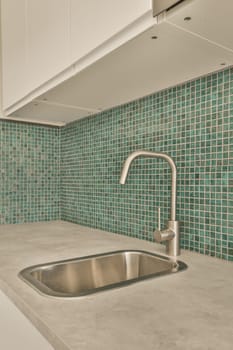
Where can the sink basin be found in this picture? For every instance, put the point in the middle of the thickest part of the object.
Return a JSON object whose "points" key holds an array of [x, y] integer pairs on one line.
{"points": [[90, 274]]}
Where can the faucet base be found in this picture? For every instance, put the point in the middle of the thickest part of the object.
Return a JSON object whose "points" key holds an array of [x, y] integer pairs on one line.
{"points": [[173, 246]]}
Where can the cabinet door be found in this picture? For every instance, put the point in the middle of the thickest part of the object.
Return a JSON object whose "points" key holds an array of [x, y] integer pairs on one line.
{"points": [[16, 332], [94, 21], [14, 63], [48, 39]]}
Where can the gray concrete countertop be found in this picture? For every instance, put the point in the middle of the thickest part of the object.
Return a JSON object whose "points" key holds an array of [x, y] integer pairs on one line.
{"points": [[191, 310]]}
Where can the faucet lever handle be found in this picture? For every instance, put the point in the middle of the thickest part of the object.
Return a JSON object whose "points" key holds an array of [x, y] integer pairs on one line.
{"points": [[167, 234], [159, 219]]}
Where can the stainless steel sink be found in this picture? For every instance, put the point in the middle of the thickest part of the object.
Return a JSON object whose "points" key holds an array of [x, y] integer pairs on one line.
{"points": [[90, 274]]}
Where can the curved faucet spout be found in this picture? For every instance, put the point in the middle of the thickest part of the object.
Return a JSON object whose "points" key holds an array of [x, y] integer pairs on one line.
{"points": [[171, 234], [161, 155]]}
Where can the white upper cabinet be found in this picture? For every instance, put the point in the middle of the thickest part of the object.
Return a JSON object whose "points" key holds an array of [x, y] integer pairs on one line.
{"points": [[48, 39], [67, 59], [14, 58], [35, 44], [94, 21], [44, 42]]}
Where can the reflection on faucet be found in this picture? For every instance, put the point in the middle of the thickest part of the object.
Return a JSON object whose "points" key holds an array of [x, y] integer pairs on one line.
{"points": [[171, 233]]}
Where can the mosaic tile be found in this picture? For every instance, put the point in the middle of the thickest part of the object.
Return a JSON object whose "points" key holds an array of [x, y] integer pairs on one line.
{"points": [[193, 123], [30, 173], [73, 173]]}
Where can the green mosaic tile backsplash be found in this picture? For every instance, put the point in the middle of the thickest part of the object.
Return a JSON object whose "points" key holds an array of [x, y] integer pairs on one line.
{"points": [[30, 173], [193, 123]]}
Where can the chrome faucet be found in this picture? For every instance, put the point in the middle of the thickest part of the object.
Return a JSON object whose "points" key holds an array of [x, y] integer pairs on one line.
{"points": [[171, 234]]}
